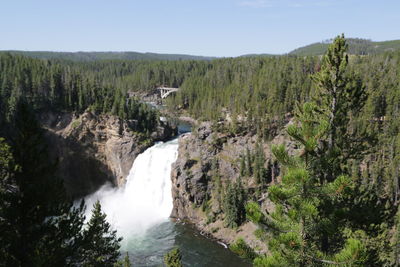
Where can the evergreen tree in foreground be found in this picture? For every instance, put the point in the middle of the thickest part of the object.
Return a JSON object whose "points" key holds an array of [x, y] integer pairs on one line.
{"points": [[101, 244], [364, 213], [294, 223], [340, 96], [39, 225], [305, 223], [173, 258], [126, 262]]}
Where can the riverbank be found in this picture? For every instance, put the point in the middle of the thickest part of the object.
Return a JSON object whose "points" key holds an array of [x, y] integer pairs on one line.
{"points": [[209, 162]]}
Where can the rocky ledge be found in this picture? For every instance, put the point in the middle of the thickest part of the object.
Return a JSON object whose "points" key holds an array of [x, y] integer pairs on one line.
{"points": [[198, 193], [94, 149]]}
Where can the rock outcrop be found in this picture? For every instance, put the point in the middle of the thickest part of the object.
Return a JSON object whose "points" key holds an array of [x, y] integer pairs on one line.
{"points": [[94, 149], [195, 188]]}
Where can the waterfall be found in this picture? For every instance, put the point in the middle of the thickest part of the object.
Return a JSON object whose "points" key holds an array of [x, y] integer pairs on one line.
{"points": [[139, 212], [146, 198]]}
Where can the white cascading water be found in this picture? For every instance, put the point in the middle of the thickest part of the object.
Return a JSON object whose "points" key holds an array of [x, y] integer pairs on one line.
{"points": [[146, 198]]}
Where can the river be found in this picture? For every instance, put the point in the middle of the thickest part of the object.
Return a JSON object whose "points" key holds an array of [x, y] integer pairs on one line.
{"points": [[140, 211]]}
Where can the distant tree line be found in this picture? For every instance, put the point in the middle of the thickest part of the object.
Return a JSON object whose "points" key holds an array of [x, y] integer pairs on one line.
{"points": [[46, 85], [357, 46], [249, 94]]}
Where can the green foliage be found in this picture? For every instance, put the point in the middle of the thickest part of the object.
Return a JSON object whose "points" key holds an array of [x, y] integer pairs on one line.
{"points": [[294, 224], [311, 180], [6, 161], [249, 163], [124, 263], [94, 56], [261, 174], [341, 188], [275, 260], [40, 225], [353, 254], [40, 222], [53, 86], [75, 124], [396, 243], [242, 166], [339, 96], [173, 258], [7, 168], [254, 213], [356, 47], [259, 95], [100, 242], [252, 164], [240, 248], [252, 91], [234, 204], [261, 234]]}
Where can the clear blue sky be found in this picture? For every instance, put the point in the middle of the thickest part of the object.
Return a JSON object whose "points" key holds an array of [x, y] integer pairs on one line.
{"points": [[198, 27]]}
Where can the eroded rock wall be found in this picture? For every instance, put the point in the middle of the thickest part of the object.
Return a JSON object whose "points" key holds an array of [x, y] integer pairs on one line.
{"points": [[194, 181], [95, 149]]}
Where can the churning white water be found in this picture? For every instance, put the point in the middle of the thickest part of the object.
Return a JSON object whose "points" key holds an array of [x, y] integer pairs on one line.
{"points": [[139, 212], [146, 199]]}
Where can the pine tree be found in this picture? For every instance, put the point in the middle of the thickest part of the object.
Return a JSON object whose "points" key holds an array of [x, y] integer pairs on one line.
{"points": [[317, 178], [101, 244], [45, 226], [234, 204], [396, 243], [260, 172], [249, 163], [7, 190], [340, 95], [216, 177], [40, 225], [173, 258], [294, 221], [126, 262], [242, 166]]}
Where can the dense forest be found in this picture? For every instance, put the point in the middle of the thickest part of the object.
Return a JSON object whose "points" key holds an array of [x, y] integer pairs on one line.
{"points": [[248, 95], [93, 56], [46, 85], [327, 210], [40, 225], [357, 46]]}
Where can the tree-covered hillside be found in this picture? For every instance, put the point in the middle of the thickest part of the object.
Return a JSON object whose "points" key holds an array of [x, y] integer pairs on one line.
{"points": [[327, 212], [92, 56], [360, 141], [337, 195], [357, 46], [50, 86], [250, 95]]}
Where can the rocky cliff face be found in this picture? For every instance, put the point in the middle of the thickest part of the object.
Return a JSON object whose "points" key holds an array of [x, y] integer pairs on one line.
{"points": [[196, 196], [95, 149]]}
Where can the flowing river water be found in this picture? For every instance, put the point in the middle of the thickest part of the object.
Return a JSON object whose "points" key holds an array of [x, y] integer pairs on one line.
{"points": [[140, 211]]}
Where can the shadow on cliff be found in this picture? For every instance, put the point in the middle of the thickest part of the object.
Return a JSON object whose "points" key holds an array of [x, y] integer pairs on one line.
{"points": [[81, 172]]}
